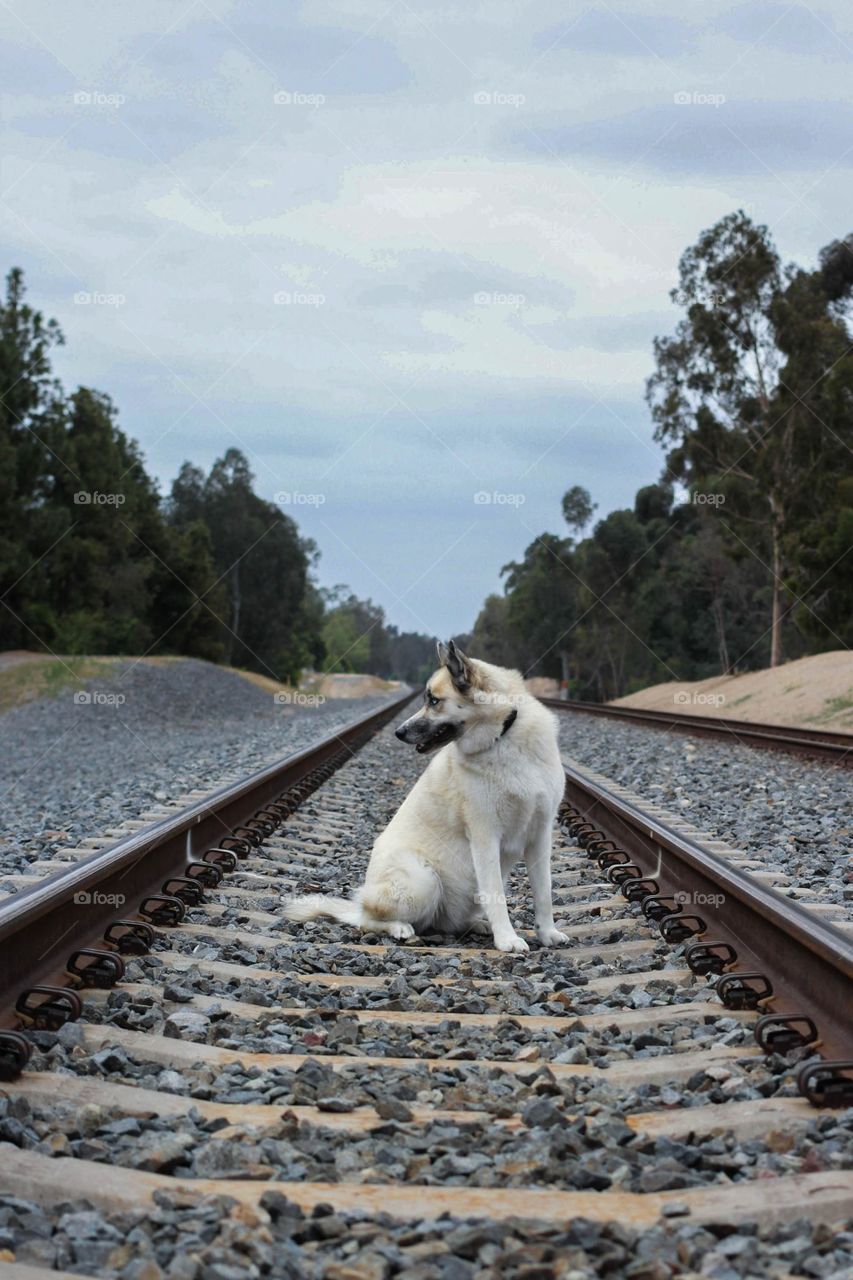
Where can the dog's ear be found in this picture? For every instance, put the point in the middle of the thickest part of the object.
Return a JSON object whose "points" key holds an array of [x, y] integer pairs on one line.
{"points": [[458, 666]]}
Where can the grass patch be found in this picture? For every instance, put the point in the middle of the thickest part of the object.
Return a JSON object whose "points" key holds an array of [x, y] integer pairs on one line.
{"points": [[267, 683], [833, 707], [745, 698], [46, 678]]}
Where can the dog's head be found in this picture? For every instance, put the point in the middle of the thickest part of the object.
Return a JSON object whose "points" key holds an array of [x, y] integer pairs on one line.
{"points": [[459, 701]]}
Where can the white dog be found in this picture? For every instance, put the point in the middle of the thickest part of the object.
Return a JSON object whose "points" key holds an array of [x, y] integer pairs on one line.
{"points": [[488, 799]]}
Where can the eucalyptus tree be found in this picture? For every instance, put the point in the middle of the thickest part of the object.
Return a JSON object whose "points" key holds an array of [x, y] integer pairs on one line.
{"points": [[714, 395]]}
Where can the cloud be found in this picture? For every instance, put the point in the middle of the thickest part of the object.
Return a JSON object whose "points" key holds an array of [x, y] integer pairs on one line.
{"points": [[390, 277], [617, 34], [702, 136], [788, 27]]}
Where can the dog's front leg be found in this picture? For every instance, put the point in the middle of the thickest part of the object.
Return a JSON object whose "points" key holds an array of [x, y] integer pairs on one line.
{"points": [[537, 855], [486, 855]]}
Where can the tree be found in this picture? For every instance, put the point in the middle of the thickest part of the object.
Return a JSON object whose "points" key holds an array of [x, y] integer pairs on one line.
{"points": [[578, 508], [347, 649], [542, 591], [715, 391], [270, 619], [355, 635], [412, 655], [815, 398], [29, 425], [98, 575], [186, 598], [753, 396], [492, 638], [92, 560]]}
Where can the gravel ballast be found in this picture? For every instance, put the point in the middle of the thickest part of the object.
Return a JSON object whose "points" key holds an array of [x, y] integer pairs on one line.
{"points": [[569, 1132], [218, 1239], [793, 815], [574, 1134], [71, 769]]}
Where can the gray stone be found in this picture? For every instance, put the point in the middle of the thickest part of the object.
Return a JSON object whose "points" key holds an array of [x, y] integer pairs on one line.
{"points": [[185, 1024]]}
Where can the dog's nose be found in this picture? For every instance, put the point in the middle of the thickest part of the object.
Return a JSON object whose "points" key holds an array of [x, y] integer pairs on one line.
{"points": [[400, 733]]}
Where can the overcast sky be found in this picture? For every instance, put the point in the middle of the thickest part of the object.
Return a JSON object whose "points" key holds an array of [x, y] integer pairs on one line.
{"points": [[404, 253]]}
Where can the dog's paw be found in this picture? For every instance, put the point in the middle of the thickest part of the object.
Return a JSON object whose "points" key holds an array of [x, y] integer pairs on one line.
{"points": [[512, 942], [480, 926], [552, 937], [400, 930]]}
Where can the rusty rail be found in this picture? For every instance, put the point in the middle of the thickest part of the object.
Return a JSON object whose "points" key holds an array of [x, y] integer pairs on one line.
{"points": [[766, 951], [148, 877], [816, 744]]}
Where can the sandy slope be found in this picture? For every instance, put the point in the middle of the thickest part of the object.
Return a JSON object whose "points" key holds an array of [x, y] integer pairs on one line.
{"points": [[816, 691], [27, 677]]}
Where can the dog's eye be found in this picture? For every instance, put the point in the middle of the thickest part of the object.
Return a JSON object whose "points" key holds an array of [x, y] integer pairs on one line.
{"points": [[432, 701]]}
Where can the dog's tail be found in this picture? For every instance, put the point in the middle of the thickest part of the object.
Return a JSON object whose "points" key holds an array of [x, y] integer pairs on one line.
{"points": [[315, 906]]}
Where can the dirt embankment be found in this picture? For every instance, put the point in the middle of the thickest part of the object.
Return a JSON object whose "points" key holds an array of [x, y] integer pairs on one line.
{"points": [[815, 692], [352, 685], [29, 677], [317, 688]]}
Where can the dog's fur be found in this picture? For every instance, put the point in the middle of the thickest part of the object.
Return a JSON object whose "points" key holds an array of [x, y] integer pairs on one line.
{"points": [[487, 799]]}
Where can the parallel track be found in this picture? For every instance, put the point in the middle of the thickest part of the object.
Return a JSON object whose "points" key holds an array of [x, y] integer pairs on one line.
{"points": [[394, 1022], [815, 744]]}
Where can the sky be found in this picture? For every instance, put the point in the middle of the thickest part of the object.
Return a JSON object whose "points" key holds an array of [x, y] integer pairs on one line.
{"points": [[409, 257]]}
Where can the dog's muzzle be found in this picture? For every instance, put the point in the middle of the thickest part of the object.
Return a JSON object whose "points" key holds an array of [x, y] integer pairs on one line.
{"points": [[424, 736]]}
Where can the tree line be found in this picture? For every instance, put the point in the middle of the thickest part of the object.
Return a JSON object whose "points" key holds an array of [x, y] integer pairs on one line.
{"points": [[94, 560], [739, 556]]}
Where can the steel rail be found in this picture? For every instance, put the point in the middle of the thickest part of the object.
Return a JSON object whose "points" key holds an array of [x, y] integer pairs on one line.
{"points": [[803, 964], [41, 926], [817, 744]]}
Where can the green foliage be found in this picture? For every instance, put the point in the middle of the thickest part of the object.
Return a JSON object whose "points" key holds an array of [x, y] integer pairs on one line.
{"points": [[93, 561], [357, 638], [578, 508], [347, 648], [260, 561], [753, 395], [412, 655], [492, 639]]}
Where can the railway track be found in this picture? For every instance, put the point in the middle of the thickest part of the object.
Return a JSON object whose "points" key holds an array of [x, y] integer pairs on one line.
{"points": [[814, 744], [678, 1072]]}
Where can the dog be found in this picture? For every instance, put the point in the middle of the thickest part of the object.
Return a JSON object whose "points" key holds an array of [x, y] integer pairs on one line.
{"points": [[487, 799]]}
